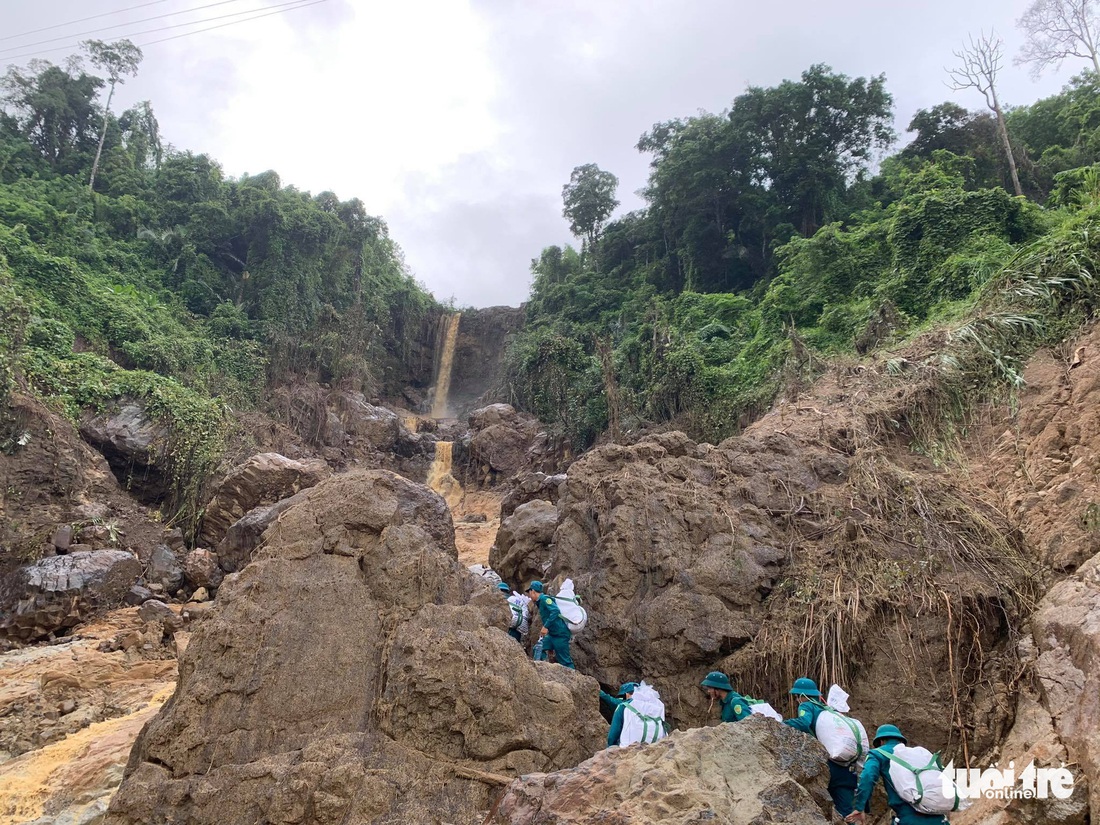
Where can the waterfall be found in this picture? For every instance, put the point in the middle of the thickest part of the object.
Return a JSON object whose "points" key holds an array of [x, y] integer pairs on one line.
{"points": [[440, 478], [445, 365]]}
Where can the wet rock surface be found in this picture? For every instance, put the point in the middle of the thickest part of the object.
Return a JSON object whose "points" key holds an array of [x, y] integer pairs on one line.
{"points": [[131, 440], [746, 773], [357, 588]]}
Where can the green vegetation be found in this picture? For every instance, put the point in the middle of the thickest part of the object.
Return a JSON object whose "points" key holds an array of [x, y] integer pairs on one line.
{"points": [[168, 282], [767, 240]]}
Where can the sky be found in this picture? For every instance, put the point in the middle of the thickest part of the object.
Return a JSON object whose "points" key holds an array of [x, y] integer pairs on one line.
{"points": [[459, 121]]}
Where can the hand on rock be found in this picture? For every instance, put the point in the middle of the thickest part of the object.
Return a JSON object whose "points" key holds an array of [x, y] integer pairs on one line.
{"points": [[855, 816]]}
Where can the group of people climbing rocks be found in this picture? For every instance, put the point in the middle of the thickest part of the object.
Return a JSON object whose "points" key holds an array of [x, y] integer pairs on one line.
{"points": [[912, 777]]}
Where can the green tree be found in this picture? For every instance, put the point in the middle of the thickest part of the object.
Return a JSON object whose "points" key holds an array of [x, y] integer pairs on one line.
{"points": [[117, 59], [589, 199]]}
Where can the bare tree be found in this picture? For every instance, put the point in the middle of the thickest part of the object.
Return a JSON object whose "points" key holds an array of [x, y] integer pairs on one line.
{"points": [[980, 63], [119, 58], [1058, 29]]}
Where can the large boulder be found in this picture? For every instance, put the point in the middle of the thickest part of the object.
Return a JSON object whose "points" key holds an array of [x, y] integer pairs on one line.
{"points": [[500, 439], [131, 441], [354, 671], [164, 569], [523, 541], [790, 551], [58, 593], [747, 773], [263, 479], [244, 536], [364, 422]]}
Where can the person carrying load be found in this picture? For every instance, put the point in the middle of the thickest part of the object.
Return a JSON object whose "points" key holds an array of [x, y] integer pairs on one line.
{"points": [[557, 632], [639, 717], [521, 612], [734, 705]]}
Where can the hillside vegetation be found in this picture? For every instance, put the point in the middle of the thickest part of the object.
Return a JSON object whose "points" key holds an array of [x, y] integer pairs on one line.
{"points": [[770, 238], [173, 283]]}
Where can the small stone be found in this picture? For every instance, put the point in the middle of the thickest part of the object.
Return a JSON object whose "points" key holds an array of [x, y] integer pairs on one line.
{"points": [[138, 595], [157, 587], [63, 537], [51, 714], [200, 595], [67, 707]]}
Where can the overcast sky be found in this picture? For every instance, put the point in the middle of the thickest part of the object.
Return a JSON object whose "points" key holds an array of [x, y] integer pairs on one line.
{"points": [[458, 121]]}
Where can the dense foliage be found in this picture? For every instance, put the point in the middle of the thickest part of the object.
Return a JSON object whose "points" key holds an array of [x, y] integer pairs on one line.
{"points": [[766, 239], [171, 282]]}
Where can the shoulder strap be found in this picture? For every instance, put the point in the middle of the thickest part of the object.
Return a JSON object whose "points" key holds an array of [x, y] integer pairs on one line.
{"points": [[934, 765], [646, 720]]}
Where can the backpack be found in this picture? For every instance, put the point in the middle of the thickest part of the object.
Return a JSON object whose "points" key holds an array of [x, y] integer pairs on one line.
{"points": [[521, 613], [569, 605], [643, 717], [762, 708], [845, 739], [919, 778]]}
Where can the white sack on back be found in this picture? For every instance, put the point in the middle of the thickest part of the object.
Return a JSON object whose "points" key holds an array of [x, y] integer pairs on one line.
{"points": [[838, 699], [569, 603]]}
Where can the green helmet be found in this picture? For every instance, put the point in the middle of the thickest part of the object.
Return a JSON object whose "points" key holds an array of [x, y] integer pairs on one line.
{"points": [[504, 586], [888, 732], [717, 679], [626, 687], [805, 687], [536, 586]]}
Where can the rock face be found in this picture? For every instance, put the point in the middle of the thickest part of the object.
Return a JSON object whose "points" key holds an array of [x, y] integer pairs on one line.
{"points": [[264, 479], [59, 592], [1066, 628], [236, 549], [483, 338], [500, 439], [354, 672], [130, 441], [802, 547], [523, 542], [747, 773]]}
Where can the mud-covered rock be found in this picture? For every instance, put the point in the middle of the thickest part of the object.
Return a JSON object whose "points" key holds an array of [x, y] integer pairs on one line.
{"points": [[59, 592], [263, 479], [201, 568], [523, 541], [354, 671], [734, 774], [243, 537], [1066, 627]]}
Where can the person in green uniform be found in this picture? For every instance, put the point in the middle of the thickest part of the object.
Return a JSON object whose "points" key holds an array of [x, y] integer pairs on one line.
{"points": [[887, 737], [557, 632], [626, 692], [842, 780], [718, 687]]}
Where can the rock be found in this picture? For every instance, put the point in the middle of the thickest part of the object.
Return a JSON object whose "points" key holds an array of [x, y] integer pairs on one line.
{"points": [[157, 611], [201, 569], [58, 593], [529, 487], [131, 440], [63, 537], [1066, 628], [749, 773], [498, 415], [164, 569], [174, 539], [138, 595], [235, 550], [200, 595], [67, 707], [263, 479], [363, 421], [95, 511], [523, 542], [357, 588]]}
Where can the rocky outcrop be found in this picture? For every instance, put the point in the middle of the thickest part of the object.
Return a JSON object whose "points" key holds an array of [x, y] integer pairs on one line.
{"points": [[800, 548], [354, 671], [1066, 628], [132, 442], [747, 773], [500, 439], [242, 539], [483, 338], [58, 593], [523, 541], [263, 479], [536, 486]]}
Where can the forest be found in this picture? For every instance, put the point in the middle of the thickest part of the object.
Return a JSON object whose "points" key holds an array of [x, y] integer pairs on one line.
{"points": [[783, 231]]}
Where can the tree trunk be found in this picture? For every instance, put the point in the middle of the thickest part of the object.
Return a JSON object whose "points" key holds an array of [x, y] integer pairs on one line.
{"points": [[1003, 129], [102, 138]]}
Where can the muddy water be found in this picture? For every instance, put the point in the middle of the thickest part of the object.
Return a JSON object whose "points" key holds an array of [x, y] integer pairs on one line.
{"points": [[442, 389]]}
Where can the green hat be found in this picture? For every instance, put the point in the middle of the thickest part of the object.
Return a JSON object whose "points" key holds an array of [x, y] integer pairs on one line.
{"points": [[626, 687], [536, 586], [805, 687], [717, 679], [888, 732], [504, 586]]}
